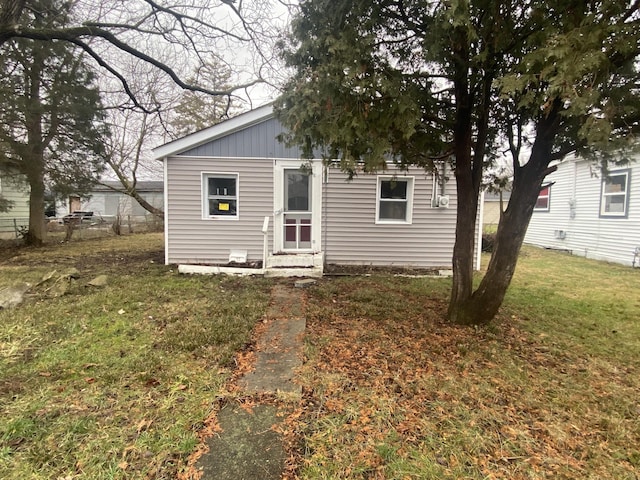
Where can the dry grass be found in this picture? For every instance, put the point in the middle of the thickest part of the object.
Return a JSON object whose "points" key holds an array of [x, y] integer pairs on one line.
{"points": [[114, 382], [549, 390]]}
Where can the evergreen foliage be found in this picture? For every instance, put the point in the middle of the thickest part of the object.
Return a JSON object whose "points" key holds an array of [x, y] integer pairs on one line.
{"points": [[196, 110], [51, 127], [418, 81]]}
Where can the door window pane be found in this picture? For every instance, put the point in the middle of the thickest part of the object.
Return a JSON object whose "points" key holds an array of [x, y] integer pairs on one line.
{"points": [[297, 189]]}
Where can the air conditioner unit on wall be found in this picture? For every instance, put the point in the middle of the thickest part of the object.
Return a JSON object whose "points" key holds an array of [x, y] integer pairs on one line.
{"points": [[443, 201]]}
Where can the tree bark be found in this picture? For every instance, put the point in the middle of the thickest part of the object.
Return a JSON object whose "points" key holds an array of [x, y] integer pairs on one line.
{"points": [[37, 232], [482, 306], [484, 303], [462, 285], [468, 173]]}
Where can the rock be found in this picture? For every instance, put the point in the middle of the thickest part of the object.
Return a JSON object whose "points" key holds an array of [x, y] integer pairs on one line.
{"points": [[13, 296], [99, 281], [71, 273], [47, 277], [306, 282], [60, 288]]}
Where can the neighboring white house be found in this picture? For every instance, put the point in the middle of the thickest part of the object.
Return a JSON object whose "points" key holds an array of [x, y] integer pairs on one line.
{"points": [[233, 192], [15, 190], [588, 214], [109, 203]]}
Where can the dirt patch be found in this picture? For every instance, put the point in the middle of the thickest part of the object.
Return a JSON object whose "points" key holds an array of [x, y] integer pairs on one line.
{"points": [[104, 262], [346, 270]]}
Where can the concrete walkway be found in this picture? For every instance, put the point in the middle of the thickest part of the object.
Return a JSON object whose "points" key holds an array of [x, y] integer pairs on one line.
{"points": [[249, 448]]}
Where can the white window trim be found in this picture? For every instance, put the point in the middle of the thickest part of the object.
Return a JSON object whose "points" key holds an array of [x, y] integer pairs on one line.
{"points": [[548, 197], [603, 195], [410, 188], [205, 197]]}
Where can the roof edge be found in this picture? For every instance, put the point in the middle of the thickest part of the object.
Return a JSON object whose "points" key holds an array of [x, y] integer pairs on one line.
{"points": [[200, 137]]}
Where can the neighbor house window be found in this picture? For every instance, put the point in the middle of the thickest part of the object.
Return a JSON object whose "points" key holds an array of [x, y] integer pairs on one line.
{"points": [[394, 200], [220, 195], [615, 194], [542, 204]]}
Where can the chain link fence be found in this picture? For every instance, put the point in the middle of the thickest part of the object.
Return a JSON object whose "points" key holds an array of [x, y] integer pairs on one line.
{"points": [[81, 228]]}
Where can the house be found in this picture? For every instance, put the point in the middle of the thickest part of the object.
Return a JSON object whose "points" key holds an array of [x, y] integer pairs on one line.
{"points": [[233, 193], [107, 202], [492, 206], [588, 214], [15, 190]]}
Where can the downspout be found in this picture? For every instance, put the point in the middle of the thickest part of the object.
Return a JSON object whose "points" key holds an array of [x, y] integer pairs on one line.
{"points": [[325, 203], [165, 161], [480, 228]]}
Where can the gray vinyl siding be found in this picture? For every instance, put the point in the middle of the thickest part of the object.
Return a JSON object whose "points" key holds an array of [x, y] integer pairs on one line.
{"points": [[351, 236], [255, 141], [194, 240], [587, 234]]}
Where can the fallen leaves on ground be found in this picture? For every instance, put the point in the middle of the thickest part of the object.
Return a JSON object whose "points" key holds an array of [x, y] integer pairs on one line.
{"points": [[404, 395]]}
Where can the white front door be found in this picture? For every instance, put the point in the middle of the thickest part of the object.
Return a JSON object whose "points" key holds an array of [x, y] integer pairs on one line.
{"points": [[297, 204]]}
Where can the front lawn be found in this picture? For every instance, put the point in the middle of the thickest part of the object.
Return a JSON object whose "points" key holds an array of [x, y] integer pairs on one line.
{"points": [[114, 382], [551, 389]]}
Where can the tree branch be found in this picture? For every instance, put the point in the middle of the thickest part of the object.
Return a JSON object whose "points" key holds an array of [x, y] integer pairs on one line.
{"points": [[74, 34]]}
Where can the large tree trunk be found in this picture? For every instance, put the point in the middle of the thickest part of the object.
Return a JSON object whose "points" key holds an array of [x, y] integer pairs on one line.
{"points": [[482, 306], [484, 303], [462, 286], [37, 231]]}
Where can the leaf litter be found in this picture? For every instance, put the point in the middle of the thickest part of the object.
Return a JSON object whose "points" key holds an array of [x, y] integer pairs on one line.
{"points": [[398, 393]]}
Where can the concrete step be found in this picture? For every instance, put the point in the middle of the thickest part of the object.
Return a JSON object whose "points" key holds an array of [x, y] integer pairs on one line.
{"points": [[314, 272]]}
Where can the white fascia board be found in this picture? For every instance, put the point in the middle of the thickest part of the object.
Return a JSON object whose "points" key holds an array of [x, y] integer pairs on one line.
{"points": [[208, 134]]}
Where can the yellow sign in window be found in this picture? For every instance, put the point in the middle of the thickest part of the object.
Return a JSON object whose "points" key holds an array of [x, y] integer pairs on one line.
{"points": [[223, 206]]}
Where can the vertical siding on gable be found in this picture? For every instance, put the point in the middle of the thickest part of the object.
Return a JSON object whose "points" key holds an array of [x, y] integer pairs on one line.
{"points": [[192, 239], [351, 236], [587, 234], [255, 141]]}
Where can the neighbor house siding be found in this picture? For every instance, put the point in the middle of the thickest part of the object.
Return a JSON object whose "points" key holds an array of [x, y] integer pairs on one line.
{"points": [[194, 239], [351, 235], [111, 204], [573, 221], [18, 215]]}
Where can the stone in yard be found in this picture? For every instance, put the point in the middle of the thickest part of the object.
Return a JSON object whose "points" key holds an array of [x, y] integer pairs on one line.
{"points": [[13, 296], [59, 288], [305, 282], [99, 281], [72, 273]]}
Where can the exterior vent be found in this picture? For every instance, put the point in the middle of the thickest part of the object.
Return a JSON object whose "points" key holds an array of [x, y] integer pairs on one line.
{"points": [[560, 234], [238, 256], [443, 201]]}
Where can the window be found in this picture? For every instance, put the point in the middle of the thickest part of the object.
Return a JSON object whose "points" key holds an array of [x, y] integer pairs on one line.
{"points": [[220, 195], [394, 200], [615, 194], [542, 204]]}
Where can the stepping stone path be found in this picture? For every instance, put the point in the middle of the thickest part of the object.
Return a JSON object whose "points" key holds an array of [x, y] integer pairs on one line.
{"points": [[249, 448]]}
